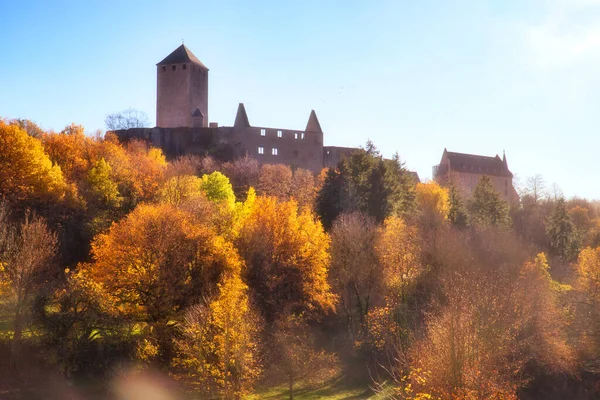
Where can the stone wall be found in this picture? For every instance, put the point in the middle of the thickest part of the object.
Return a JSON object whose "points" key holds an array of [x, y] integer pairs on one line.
{"points": [[296, 148]]}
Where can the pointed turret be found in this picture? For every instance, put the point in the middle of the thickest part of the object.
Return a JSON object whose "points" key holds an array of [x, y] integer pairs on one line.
{"points": [[241, 118], [504, 159], [198, 118], [313, 123]]}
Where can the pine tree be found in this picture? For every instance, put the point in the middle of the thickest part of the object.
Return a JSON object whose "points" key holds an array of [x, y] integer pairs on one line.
{"points": [[561, 231], [457, 215], [487, 208]]}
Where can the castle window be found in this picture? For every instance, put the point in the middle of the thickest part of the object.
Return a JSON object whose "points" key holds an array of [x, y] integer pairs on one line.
{"points": [[164, 69], [279, 134], [173, 67], [263, 132], [295, 136], [184, 66], [261, 150], [302, 136], [274, 151], [295, 153]]}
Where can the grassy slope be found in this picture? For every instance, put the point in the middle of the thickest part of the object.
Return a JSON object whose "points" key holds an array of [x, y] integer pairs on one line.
{"points": [[332, 391]]}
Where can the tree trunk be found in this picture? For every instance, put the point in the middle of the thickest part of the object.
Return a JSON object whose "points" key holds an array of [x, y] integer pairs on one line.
{"points": [[291, 387], [16, 341]]}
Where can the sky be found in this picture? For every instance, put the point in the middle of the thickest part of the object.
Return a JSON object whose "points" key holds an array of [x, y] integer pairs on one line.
{"points": [[472, 76]]}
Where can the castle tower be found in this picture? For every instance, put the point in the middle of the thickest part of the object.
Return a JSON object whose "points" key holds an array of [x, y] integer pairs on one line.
{"points": [[181, 91]]}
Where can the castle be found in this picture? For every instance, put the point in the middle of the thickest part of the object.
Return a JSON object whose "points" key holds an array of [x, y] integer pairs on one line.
{"points": [[465, 170], [183, 126]]}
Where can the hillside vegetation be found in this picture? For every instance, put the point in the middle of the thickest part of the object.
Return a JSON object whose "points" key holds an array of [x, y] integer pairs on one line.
{"points": [[239, 280]]}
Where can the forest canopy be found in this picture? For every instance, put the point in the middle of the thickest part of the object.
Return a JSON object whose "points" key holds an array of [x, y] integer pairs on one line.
{"points": [[234, 275]]}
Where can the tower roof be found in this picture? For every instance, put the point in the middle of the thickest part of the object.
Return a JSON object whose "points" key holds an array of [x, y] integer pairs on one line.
{"points": [[181, 55], [313, 123]]}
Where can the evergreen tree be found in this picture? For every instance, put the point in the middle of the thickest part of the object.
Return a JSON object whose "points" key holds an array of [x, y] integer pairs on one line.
{"points": [[377, 199], [486, 206], [401, 187], [364, 182], [332, 198], [560, 229], [457, 215]]}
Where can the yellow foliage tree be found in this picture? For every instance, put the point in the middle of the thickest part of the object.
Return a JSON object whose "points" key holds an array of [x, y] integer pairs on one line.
{"points": [[102, 186], [26, 170], [180, 188], [73, 151], [218, 349], [398, 251], [287, 258], [433, 201]]}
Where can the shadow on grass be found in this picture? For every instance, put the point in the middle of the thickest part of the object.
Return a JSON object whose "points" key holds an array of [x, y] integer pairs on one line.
{"points": [[338, 389]]}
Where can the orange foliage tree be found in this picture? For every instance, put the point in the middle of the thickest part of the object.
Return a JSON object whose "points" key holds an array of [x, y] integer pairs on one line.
{"points": [[153, 264]]}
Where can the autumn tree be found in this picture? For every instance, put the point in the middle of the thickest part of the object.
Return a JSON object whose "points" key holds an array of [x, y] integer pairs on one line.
{"points": [[487, 207], [187, 164], [298, 357], [500, 316], [145, 170], [219, 343], [26, 254], [152, 265], [28, 126], [275, 180], [72, 150], [27, 172], [588, 281], [180, 188], [399, 255], [287, 259], [102, 186], [217, 187], [243, 173], [355, 273], [302, 188], [433, 202]]}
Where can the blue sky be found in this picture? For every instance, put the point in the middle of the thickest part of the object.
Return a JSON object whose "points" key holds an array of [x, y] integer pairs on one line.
{"points": [[473, 76]]}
